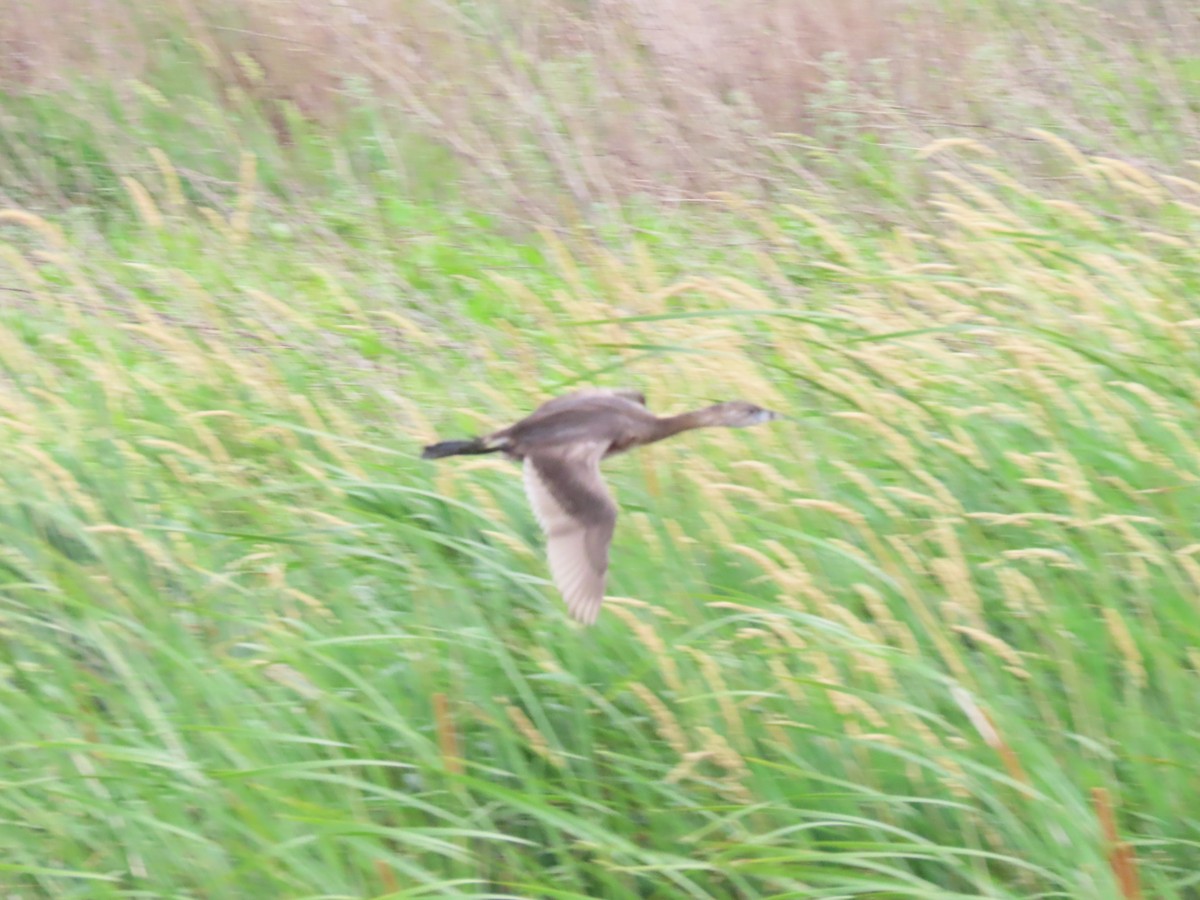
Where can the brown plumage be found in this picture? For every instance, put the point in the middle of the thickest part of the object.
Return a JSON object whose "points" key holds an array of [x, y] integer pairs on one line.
{"points": [[561, 445]]}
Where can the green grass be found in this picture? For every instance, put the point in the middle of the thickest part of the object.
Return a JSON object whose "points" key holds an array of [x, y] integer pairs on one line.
{"points": [[919, 641], [253, 646]]}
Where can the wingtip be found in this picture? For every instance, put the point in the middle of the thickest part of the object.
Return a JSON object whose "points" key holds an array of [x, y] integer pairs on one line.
{"points": [[584, 613]]}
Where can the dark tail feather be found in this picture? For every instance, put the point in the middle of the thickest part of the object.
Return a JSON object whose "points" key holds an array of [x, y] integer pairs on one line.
{"points": [[456, 448]]}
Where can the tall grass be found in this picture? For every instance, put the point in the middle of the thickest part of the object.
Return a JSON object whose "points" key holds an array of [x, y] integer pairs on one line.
{"points": [[935, 637], [938, 638], [552, 109]]}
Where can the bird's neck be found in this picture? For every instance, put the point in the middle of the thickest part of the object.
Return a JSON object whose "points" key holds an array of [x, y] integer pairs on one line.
{"points": [[667, 426]]}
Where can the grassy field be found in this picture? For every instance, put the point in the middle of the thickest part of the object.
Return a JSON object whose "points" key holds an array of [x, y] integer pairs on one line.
{"points": [[937, 637]]}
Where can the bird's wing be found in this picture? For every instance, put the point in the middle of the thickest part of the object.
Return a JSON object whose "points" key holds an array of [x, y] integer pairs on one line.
{"points": [[580, 398], [575, 510], [627, 394]]}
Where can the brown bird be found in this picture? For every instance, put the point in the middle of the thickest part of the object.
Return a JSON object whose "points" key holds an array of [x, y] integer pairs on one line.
{"points": [[561, 445]]}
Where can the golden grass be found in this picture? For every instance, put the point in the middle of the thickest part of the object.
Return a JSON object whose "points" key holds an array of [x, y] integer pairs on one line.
{"points": [[954, 507]]}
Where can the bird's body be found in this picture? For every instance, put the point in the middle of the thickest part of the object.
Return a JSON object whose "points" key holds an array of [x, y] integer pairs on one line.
{"points": [[561, 445]]}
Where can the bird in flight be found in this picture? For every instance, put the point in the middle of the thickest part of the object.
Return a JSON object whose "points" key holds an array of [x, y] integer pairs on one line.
{"points": [[561, 444]]}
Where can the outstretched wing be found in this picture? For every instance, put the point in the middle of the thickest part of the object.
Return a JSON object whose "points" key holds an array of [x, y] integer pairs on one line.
{"points": [[576, 399], [575, 510], [628, 394]]}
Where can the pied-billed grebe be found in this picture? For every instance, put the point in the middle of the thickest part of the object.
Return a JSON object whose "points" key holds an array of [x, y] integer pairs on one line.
{"points": [[561, 444]]}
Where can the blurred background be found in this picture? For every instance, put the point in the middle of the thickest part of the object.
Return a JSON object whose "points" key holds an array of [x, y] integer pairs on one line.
{"points": [[938, 636]]}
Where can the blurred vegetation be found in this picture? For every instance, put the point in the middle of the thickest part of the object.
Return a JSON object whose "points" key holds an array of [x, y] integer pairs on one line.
{"points": [[937, 637]]}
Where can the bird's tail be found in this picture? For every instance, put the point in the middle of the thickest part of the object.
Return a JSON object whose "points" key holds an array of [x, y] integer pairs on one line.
{"points": [[474, 446]]}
